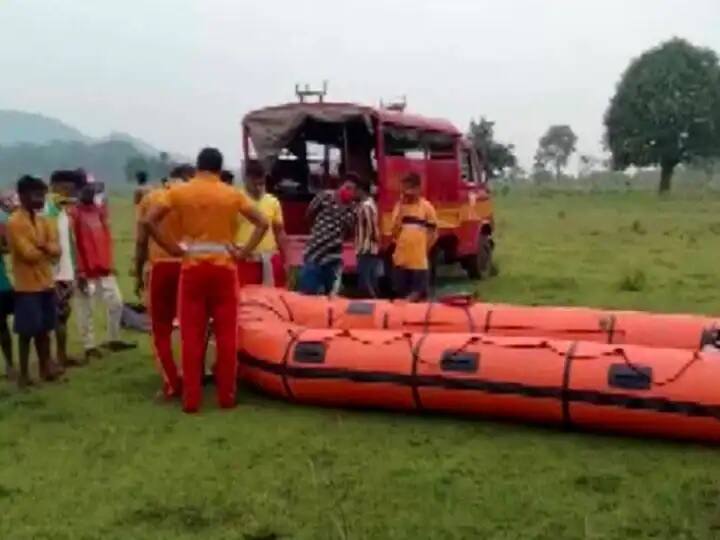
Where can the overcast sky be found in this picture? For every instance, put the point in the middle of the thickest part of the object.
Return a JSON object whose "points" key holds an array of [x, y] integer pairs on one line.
{"points": [[181, 73]]}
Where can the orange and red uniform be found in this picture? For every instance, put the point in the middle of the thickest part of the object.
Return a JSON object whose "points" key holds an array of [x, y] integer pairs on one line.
{"points": [[163, 277], [207, 212]]}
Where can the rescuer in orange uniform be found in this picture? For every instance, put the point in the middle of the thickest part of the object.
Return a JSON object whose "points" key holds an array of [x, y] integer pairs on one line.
{"points": [[207, 212], [157, 276]]}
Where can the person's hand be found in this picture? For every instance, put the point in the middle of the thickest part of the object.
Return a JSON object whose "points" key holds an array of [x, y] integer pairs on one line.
{"points": [[238, 253], [139, 286], [178, 251]]}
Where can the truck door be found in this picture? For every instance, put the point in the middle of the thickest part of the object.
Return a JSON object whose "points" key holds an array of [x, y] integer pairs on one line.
{"points": [[471, 188]]}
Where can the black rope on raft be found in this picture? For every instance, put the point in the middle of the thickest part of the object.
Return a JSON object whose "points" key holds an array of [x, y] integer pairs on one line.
{"points": [[488, 317], [256, 303], [428, 312], [696, 357], [285, 303], [294, 338], [415, 356]]}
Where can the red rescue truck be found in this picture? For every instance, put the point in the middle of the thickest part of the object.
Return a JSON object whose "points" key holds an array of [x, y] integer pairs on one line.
{"points": [[306, 146]]}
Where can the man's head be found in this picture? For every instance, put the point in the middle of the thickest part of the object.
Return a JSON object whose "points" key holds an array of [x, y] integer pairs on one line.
{"points": [[181, 173], [411, 187], [255, 178], [348, 190], [87, 193], [362, 187], [210, 160], [227, 178], [31, 191], [65, 184], [141, 177]]}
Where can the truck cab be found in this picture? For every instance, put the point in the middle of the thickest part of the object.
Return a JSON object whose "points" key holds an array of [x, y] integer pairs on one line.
{"points": [[307, 147]]}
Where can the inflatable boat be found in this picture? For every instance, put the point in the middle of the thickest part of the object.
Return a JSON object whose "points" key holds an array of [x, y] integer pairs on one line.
{"points": [[575, 368]]}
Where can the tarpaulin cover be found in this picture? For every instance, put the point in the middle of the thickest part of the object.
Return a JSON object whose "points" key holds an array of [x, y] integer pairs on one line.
{"points": [[271, 130]]}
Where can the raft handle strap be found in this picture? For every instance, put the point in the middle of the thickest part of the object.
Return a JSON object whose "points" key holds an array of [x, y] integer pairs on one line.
{"points": [[294, 337], [608, 325], [415, 352], [565, 391], [284, 301], [488, 317]]}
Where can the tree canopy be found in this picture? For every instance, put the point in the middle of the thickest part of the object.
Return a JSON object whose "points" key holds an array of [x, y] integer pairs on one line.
{"points": [[555, 148], [666, 109], [497, 157]]}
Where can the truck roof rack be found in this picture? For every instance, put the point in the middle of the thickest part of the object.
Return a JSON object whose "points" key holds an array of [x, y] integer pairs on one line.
{"points": [[307, 92], [398, 105]]}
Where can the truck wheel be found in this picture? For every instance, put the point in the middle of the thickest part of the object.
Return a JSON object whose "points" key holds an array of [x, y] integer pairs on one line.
{"points": [[481, 263]]}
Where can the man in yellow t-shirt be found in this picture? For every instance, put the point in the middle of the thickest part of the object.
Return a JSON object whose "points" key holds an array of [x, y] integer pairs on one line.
{"points": [[268, 266], [414, 232]]}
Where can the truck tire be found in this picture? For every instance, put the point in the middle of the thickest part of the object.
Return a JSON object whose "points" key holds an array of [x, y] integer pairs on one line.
{"points": [[480, 264]]}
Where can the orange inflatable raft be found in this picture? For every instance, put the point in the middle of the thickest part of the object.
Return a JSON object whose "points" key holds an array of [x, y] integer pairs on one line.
{"points": [[436, 357], [457, 314]]}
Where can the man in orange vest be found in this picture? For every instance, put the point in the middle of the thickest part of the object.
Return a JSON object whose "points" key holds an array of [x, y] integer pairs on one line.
{"points": [[158, 270], [207, 211]]}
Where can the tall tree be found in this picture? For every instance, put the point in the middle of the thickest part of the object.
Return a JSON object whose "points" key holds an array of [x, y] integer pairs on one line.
{"points": [[555, 148], [666, 109], [497, 157]]}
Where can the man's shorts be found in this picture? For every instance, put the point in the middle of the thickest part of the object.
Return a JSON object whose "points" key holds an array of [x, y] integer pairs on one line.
{"points": [[7, 303], [407, 282], [64, 291], [35, 313], [319, 278]]}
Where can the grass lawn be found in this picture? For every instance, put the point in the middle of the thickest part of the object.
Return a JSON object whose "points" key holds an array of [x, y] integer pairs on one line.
{"points": [[95, 457]]}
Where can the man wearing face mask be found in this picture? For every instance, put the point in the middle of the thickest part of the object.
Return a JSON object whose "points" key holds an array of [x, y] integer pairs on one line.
{"points": [[96, 273], [34, 249], [333, 217]]}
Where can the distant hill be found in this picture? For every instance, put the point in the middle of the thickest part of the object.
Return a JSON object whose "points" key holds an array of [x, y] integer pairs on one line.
{"points": [[36, 144], [21, 127]]}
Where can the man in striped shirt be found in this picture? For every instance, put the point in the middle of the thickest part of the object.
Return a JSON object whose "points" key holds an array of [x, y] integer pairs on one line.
{"points": [[367, 242], [333, 215]]}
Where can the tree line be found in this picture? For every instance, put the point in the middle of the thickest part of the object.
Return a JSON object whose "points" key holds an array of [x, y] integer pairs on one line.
{"points": [[665, 112]]}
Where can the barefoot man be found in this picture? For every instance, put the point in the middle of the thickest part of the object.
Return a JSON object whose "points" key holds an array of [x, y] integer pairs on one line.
{"points": [[207, 211]]}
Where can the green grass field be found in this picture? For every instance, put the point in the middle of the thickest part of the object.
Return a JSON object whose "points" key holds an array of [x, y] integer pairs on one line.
{"points": [[96, 457]]}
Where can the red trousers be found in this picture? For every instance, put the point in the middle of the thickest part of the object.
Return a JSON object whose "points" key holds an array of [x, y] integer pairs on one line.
{"points": [[162, 303], [208, 290], [251, 272]]}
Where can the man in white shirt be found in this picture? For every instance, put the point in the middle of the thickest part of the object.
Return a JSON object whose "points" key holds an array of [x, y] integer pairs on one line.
{"points": [[63, 189]]}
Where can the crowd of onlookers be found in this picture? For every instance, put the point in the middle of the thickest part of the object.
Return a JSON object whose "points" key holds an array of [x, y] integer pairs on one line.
{"points": [[61, 250], [189, 229]]}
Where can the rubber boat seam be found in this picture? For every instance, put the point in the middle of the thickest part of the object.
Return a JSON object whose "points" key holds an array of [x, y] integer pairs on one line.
{"points": [[567, 420], [587, 397]]}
